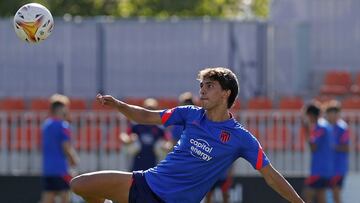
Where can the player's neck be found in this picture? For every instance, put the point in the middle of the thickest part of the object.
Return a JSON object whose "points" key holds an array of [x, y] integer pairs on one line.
{"points": [[218, 114], [56, 117]]}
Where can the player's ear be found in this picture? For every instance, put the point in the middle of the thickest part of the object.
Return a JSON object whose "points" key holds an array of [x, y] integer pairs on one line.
{"points": [[227, 93]]}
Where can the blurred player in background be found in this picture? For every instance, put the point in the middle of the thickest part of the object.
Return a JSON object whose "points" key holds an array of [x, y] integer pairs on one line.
{"points": [[341, 133], [224, 183], [211, 142], [58, 153], [145, 141], [321, 141]]}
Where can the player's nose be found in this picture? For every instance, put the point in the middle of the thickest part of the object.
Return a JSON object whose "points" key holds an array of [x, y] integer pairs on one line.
{"points": [[202, 91]]}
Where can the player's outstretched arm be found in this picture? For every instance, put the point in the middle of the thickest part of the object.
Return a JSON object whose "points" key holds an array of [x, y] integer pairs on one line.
{"points": [[132, 112], [276, 181]]}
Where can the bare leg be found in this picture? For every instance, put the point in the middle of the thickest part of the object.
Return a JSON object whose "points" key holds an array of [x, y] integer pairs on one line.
{"points": [[225, 195], [308, 194], [64, 196], [321, 196], [48, 197], [208, 198], [225, 188], [97, 186], [336, 194]]}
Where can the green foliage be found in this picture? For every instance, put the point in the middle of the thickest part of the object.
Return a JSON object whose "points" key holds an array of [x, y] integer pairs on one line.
{"points": [[181, 8], [260, 8], [146, 8]]}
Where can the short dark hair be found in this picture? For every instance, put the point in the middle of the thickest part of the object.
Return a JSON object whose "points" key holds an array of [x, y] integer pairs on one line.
{"points": [[186, 98], [56, 106], [313, 109], [333, 106], [226, 78]]}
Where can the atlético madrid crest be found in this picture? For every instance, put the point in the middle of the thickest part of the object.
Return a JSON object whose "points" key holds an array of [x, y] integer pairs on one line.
{"points": [[224, 136]]}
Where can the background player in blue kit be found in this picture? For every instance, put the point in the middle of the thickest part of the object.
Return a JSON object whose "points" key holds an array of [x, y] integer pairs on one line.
{"points": [[224, 183], [211, 142], [58, 152], [321, 142], [341, 133], [147, 137]]}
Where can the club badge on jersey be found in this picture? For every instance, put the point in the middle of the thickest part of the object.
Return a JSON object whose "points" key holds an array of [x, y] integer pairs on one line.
{"points": [[224, 136]]}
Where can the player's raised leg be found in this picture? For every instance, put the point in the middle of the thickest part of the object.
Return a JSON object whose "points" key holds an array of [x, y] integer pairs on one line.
{"points": [[97, 186]]}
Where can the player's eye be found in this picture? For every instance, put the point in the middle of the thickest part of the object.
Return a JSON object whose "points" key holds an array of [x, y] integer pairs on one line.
{"points": [[201, 85]]}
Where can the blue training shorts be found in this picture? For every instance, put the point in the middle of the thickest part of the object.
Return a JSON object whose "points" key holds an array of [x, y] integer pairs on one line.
{"points": [[317, 182], [140, 191], [225, 184], [56, 183], [337, 181]]}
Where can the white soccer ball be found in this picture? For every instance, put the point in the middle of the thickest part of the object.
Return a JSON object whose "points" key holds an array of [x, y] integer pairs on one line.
{"points": [[33, 23]]}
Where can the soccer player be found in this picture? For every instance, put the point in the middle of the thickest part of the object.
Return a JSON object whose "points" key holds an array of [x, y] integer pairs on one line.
{"points": [[321, 142], [225, 180], [58, 152], [341, 133], [147, 137], [212, 140]]}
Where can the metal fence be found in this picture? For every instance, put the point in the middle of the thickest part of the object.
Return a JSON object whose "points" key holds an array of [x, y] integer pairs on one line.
{"points": [[82, 58], [308, 38], [95, 137], [301, 40]]}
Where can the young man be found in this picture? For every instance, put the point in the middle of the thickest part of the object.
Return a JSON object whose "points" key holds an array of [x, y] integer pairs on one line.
{"points": [[212, 140], [58, 152], [341, 161], [225, 180], [321, 142]]}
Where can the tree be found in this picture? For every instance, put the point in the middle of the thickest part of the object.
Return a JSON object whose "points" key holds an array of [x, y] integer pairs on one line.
{"points": [[146, 8]]}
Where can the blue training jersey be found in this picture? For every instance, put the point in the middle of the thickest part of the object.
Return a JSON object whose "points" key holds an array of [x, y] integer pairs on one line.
{"points": [[322, 159], [176, 132], [341, 133], [54, 134], [148, 136], [204, 152]]}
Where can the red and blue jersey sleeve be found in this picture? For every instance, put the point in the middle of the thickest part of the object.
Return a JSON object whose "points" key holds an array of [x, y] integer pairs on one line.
{"points": [[344, 137], [254, 154], [175, 116], [342, 133], [65, 133], [176, 132], [317, 134]]}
